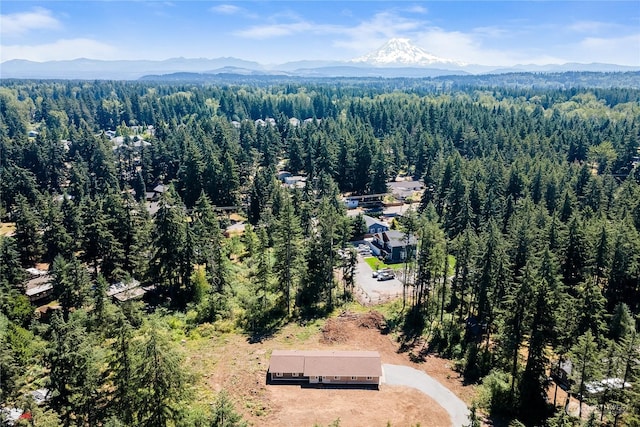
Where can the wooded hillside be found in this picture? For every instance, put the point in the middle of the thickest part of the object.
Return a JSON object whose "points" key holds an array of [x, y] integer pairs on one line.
{"points": [[535, 193]]}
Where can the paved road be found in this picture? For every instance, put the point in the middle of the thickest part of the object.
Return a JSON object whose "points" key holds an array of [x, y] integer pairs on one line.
{"points": [[372, 291], [410, 377]]}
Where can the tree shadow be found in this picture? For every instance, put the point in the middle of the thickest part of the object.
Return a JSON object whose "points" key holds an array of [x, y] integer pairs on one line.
{"points": [[260, 333]]}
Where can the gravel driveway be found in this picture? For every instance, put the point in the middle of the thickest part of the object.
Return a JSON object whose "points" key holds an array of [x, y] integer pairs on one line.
{"points": [[410, 377]]}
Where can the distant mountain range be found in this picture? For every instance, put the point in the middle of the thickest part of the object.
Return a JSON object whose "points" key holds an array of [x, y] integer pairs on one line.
{"points": [[396, 58]]}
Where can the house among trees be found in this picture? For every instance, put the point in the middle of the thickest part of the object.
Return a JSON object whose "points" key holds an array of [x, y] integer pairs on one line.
{"points": [[361, 368], [403, 190], [295, 181], [562, 371], [392, 245], [39, 288], [374, 225], [126, 291]]}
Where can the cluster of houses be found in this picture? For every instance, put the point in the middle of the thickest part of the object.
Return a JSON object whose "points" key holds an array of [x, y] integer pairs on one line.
{"points": [[11, 416], [270, 121], [39, 289]]}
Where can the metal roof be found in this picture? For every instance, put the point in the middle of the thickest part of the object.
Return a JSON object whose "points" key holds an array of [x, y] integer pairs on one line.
{"points": [[327, 363]]}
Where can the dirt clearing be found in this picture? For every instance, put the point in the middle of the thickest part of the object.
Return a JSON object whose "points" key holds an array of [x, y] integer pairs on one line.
{"points": [[232, 363]]}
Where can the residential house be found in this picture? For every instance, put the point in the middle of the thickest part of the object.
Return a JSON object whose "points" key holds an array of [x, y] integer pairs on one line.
{"points": [[295, 181], [361, 368], [561, 372], [293, 121], [403, 190], [159, 190], [268, 121], [351, 203], [126, 291], [39, 288], [374, 225], [282, 175], [393, 246]]}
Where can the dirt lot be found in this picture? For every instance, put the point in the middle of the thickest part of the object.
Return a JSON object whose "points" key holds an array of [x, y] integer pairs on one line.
{"points": [[234, 364], [7, 228]]}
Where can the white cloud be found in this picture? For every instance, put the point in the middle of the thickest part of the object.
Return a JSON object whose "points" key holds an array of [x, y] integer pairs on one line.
{"points": [[623, 50], [381, 27], [472, 49], [226, 9], [589, 26], [417, 9], [22, 22], [60, 50], [366, 34], [286, 29]]}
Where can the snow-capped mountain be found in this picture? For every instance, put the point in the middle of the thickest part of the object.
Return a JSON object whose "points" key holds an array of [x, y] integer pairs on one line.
{"points": [[402, 52]]}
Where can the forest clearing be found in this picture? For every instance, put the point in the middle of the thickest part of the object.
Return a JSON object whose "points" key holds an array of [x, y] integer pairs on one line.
{"points": [[234, 363]]}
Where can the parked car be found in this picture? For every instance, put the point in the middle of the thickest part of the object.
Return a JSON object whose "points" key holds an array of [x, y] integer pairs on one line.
{"points": [[385, 276]]}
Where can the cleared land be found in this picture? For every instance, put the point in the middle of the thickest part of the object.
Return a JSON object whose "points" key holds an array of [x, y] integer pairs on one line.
{"points": [[7, 228], [232, 363]]}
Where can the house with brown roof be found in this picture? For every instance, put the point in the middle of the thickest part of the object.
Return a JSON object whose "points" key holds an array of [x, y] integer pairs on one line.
{"points": [[362, 368]]}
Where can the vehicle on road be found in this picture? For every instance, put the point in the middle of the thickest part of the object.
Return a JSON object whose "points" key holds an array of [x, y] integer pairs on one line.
{"points": [[386, 275], [383, 271]]}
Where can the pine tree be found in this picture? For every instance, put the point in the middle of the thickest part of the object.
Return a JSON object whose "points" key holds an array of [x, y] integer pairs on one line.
{"points": [[170, 240], [576, 258], [161, 380], [100, 244], [430, 262], [123, 402], [70, 283], [224, 414], [288, 253], [27, 234], [69, 361], [515, 319], [11, 271], [55, 237], [585, 358], [533, 384]]}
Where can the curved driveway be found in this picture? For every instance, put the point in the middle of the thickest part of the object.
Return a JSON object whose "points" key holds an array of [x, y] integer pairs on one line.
{"points": [[410, 377]]}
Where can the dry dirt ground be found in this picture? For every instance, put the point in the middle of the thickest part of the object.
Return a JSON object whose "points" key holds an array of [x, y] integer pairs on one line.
{"points": [[234, 364]]}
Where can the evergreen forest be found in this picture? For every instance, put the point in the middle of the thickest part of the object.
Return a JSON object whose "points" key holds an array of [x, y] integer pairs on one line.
{"points": [[528, 235]]}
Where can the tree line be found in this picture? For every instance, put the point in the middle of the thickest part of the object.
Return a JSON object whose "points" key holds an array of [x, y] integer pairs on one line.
{"points": [[534, 192]]}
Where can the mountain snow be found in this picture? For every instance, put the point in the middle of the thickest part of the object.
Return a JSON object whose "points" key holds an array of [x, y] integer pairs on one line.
{"points": [[402, 52]]}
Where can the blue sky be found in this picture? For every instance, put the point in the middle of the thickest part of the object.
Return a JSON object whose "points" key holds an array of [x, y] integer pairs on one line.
{"points": [[273, 32]]}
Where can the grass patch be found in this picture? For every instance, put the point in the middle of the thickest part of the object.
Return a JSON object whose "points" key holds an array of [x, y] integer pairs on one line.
{"points": [[452, 265], [376, 264], [305, 332]]}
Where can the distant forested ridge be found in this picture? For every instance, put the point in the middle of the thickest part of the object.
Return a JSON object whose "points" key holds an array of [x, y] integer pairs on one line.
{"points": [[532, 188]]}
